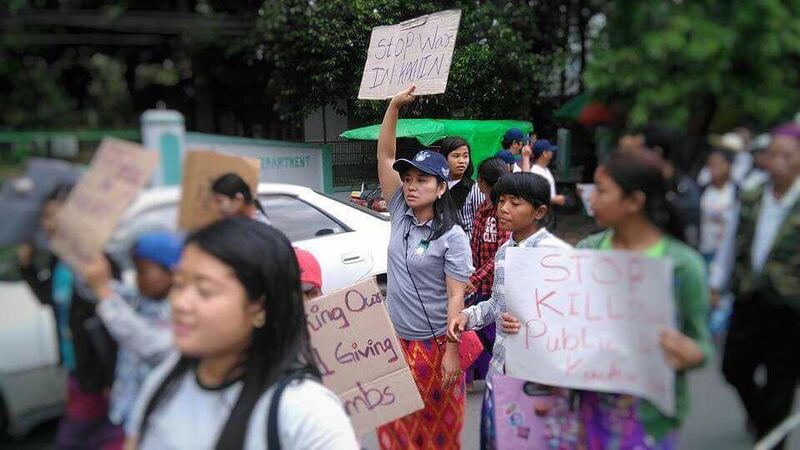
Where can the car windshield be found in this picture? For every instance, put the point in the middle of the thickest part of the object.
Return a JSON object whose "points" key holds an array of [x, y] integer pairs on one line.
{"points": [[372, 213]]}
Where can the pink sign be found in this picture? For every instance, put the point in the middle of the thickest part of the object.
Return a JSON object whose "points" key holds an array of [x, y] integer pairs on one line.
{"points": [[590, 320]]}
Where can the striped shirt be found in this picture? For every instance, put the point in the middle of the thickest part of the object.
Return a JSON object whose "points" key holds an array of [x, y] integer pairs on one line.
{"points": [[491, 310], [466, 215]]}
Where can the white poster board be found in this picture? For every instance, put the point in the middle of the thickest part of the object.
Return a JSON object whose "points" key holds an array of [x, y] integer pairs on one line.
{"points": [[418, 51], [590, 320]]}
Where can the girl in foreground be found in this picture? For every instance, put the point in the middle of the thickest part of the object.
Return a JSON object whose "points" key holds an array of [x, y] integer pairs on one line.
{"points": [[239, 326]]}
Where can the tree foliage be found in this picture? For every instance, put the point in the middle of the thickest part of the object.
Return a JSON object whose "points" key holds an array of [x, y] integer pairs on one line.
{"points": [[695, 64]]}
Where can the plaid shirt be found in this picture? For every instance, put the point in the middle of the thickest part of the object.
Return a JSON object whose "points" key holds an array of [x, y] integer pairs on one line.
{"points": [[485, 241]]}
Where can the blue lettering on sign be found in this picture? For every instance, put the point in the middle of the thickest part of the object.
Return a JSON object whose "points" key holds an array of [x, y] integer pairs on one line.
{"points": [[285, 162]]}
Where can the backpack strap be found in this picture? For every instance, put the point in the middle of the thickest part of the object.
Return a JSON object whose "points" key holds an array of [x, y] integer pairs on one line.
{"points": [[273, 440]]}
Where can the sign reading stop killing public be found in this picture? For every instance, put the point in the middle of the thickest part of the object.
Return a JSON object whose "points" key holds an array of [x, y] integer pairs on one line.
{"points": [[418, 51], [590, 320]]}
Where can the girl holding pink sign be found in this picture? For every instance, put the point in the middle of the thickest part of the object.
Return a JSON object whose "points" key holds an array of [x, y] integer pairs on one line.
{"points": [[629, 202]]}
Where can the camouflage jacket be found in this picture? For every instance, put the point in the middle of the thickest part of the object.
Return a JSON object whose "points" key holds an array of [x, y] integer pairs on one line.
{"points": [[779, 280]]}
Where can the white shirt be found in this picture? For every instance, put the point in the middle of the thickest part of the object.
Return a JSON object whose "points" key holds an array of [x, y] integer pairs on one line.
{"points": [[545, 172], [310, 416], [714, 206], [770, 218]]}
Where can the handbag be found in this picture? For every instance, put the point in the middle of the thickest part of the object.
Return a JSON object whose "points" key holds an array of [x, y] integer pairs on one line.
{"points": [[469, 349]]}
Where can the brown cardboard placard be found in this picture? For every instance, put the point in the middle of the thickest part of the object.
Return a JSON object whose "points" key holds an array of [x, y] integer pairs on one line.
{"points": [[418, 51], [360, 357], [200, 169], [118, 172]]}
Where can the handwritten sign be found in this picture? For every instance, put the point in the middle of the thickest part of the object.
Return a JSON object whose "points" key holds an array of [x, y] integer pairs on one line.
{"points": [[417, 51], [360, 357], [200, 169], [118, 172], [590, 320]]}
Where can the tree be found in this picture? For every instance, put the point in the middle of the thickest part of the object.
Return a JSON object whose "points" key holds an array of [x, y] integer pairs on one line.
{"points": [[700, 64], [505, 55]]}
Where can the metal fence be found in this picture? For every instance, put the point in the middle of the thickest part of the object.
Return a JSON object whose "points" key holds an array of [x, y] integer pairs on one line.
{"points": [[354, 162]]}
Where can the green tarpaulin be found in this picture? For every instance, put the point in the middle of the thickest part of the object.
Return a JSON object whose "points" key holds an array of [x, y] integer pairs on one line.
{"points": [[484, 136]]}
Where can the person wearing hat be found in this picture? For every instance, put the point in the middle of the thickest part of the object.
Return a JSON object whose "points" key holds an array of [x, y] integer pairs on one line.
{"points": [[310, 274], [429, 263], [735, 144], [138, 320], [757, 175], [543, 152], [513, 142]]}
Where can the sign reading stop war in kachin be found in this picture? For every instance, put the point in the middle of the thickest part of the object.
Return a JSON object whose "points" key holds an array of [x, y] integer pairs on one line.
{"points": [[360, 357], [418, 51], [118, 172], [590, 320]]}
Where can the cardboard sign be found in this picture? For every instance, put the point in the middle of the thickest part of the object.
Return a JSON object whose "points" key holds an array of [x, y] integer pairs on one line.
{"points": [[530, 417], [590, 320], [200, 169], [118, 172], [418, 51], [360, 357]]}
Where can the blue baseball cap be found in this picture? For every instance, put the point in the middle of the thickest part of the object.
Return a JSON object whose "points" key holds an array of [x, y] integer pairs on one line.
{"points": [[515, 134], [160, 247], [426, 161], [541, 146], [506, 156]]}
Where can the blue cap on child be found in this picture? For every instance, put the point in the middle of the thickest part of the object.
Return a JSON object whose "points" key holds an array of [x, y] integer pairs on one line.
{"points": [[160, 247]]}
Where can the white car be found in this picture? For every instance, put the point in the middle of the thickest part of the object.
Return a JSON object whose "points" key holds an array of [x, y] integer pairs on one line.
{"points": [[349, 242]]}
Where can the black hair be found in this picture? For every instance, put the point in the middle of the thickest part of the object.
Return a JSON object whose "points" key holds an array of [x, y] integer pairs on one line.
{"points": [[231, 184], [282, 344], [727, 154], [642, 172], [491, 170], [460, 191], [59, 193], [444, 209], [531, 187]]}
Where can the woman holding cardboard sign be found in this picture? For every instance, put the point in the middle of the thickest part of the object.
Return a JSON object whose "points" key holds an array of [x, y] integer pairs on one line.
{"points": [[629, 201], [429, 262]]}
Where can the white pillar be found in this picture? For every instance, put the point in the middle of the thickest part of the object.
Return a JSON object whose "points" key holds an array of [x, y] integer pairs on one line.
{"points": [[163, 130]]}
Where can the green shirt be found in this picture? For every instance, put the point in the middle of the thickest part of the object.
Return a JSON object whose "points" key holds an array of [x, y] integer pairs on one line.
{"points": [[692, 306]]}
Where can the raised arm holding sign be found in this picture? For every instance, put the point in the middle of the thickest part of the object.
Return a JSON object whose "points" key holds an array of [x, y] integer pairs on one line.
{"points": [[117, 174], [418, 51]]}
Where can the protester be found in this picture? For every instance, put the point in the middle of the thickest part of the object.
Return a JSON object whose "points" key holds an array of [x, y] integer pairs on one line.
{"points": [[765, 324], [629, 201], [429, 263], [741, 163], [523, 203], [485, 240], [233, 197], [138, 321], [543, 154], [683, 195], [513, 142], [757, 175], [466, 194], [85, 423], [239, 325], [717, 200], [310, 274]]}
